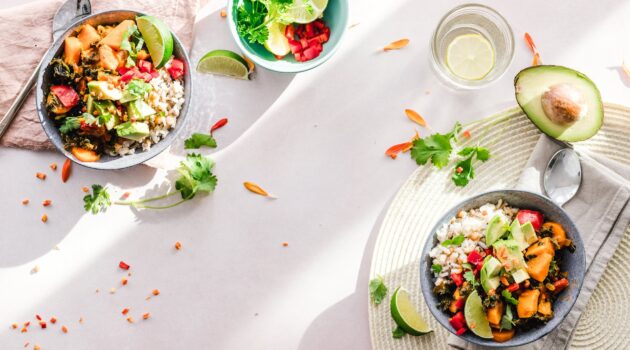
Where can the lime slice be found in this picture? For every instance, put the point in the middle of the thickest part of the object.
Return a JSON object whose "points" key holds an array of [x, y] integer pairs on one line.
{"points": [[277, 43], [470, 56], [406, 315], [476, 317], [305, 11], [158, 39], [224, 62]]}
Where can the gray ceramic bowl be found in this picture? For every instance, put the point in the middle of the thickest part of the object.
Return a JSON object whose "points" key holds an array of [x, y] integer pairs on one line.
{"points": [[574, 263], [43, 84]]}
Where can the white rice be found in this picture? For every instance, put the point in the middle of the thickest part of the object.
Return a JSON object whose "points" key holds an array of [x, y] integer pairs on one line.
{"points": [[167, 99], [473, 225]]}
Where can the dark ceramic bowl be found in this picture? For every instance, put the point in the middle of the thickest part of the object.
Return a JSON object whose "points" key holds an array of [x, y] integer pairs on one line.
{"points": [[573, 263], [106, 161]]}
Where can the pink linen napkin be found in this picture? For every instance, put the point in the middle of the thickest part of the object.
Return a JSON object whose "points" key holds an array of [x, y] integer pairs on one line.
{"points": [[27, 34]]}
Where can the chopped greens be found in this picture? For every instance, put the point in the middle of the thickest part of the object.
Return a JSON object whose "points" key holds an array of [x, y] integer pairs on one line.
{"points": [[198, 140], [98, 201], [398, 333], [456, 241], [436, 268], [508, 297], [69, 124], [378, 290], [135, 90], [507, 321], [132, 43], [253, 16]]}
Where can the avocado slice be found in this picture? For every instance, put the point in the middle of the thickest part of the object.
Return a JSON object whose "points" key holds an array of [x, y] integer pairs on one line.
{"points": [[520, 275], [139, 110], [101, 90], [517, 234], [563, 103], [106, 113], [510, 255], [489, 274], [496, 229], [133, 130], [529, 233]]}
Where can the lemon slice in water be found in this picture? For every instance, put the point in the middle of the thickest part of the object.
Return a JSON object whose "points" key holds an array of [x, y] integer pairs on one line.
{"points": [[470, 56]]}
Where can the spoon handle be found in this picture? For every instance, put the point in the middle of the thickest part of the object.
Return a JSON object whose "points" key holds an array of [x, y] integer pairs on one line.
{"points": [[19, 100]]}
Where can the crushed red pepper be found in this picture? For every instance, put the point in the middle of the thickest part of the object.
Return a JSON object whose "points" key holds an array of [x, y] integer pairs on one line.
{"points": [[46, 202], [123, 265], [53, 166], [40, 176]]}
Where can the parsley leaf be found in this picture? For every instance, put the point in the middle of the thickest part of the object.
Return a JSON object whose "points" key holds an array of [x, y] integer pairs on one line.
{"points": [[69, 124], [98, 201], [436, 268], [253, 16], [456, 241], [508, 297], [398, 333], [507, 320], [197, 140], [378, 290], [196, 176]]}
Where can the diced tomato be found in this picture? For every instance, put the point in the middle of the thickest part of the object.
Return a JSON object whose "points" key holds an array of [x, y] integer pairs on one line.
{"points": [[146, 77], [461, 331], [299, 57], [128, 75], [295, 46], [458, 321], [311, 53], [460, 303], [144, 66], [475, 258], [477, 269], [513, 287], [154, 74], [310, 32], [457, 278], [319, 24], [122, 70], [66, 95], [176, 70], [488, 251], [322, 38], [535, 217], [289, 32]]}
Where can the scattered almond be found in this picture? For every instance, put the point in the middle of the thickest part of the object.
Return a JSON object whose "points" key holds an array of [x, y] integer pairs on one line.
{"points": [[81, 320], [25, 201], [64, 329], [112, 290], [34, 270], [23, 330], [85, 189], [155, 292], [41, 176], [130, 319], [124, 281], [53, 320], [178, 245], [53, 166], [36, 347], [285, 244], [146, 316], [223, 13], [14, 326], [44, 218]]}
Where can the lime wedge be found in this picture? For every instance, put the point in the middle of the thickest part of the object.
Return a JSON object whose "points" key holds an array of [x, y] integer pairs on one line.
{"points": [[470, 56], [406, 315], [476, 317], [277, 43], [224, 62], [305, 11], [158, 39]]}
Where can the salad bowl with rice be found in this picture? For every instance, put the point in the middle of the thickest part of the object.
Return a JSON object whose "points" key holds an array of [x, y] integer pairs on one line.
{"points": [[114, 89]]}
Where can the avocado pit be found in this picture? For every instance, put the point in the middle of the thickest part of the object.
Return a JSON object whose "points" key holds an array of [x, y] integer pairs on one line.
{"points": [[563, 104]]}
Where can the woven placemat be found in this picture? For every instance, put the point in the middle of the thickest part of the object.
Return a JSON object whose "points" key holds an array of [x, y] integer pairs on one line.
{"points": [[428, 193]]}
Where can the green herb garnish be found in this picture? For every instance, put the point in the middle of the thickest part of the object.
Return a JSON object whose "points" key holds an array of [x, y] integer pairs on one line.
{"points": [[436, 268], [398, 333], [378, 289], [198, 140], [97, 201], [507, 321], [508, 297], [464, 171], [456, 241], [132, 43], [69, 124], [253, 16]]}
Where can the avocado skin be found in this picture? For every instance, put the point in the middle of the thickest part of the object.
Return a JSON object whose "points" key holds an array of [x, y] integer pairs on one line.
{"points": [[581, 76]]}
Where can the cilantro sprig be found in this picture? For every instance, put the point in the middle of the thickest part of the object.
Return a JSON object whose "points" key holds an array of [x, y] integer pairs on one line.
{"points": [[456, 241], [253, 16], [195, 177], [198, 140], [438, 149], [378, 289], [508, 297]]}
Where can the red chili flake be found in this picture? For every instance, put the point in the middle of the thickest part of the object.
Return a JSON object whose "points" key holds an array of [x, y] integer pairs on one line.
{"points": [[23, 330], [85, 189], [123, 265], [26, 324], [223, 13], [125, 195], [219, 124], [64, 329], [41, 176], [53, 320], [26, 344], [146, 316], [285, 244], [178, 245], [125, 311], [124, 281], [44, 218], [466, 134], [459, 170], [155, 292], [25, 201], [42, 324], [53, 166], [38, 317], [14, 326], [46, 202]]}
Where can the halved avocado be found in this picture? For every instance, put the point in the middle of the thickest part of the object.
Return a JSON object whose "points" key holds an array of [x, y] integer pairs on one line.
{"points": [[563, 103]]}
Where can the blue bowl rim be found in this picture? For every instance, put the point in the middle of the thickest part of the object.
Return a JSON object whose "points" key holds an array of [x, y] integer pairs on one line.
{"points": [[427, 291], [296, 68], [122, 161]]}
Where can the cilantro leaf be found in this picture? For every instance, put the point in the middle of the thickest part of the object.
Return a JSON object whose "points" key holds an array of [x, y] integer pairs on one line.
{"points": [[197, 140], [507, 321], [378, 290], [456, 241], [398, 333], [463, 171], [98, 201], [250, 21], [483, 154], [436, 147], [196, 176], [436, 268], [470, 277], [69, 124], [508, 297]]}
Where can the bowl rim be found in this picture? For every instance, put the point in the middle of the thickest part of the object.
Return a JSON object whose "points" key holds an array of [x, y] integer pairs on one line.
{"points": [[158, 147], [425, 275], [296, 68]]}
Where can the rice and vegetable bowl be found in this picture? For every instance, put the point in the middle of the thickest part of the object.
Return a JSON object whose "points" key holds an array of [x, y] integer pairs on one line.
{"points": [[496, 270], [116, 89]]}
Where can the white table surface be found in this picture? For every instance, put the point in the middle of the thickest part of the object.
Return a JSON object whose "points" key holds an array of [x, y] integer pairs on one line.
{"points": [[316, 140]]}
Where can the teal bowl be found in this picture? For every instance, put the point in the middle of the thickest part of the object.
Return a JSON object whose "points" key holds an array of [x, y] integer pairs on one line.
{"points": [[336, 18]]}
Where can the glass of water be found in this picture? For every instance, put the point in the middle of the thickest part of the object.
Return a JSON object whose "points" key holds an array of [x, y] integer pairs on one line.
{"points": [[472, 46]]}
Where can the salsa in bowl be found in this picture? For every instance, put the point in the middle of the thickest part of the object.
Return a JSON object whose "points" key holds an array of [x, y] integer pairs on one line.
{"points": [[502, 268]]}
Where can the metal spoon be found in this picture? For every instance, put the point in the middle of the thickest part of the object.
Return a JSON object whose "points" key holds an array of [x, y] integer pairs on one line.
{"points": [[563, 176]]}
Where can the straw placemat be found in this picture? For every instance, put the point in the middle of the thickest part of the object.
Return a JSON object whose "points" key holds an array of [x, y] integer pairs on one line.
{"points": [[428, 193]]}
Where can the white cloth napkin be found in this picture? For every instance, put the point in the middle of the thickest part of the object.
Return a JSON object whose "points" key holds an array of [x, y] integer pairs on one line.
{"points": [[601, 211]]}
